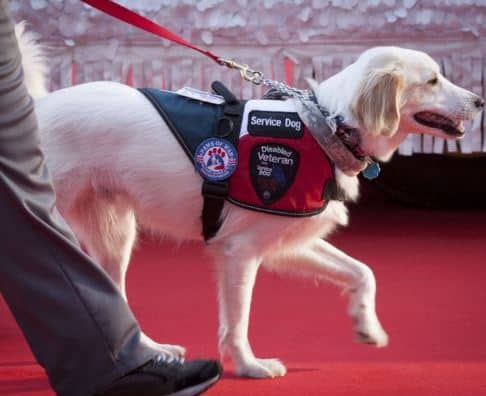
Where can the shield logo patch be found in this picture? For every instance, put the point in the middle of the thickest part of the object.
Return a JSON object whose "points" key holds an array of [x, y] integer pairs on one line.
{"points": [[272, 169]]}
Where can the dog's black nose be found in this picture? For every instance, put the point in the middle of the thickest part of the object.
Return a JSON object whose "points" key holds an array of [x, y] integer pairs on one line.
{"points": [[479, 103]]}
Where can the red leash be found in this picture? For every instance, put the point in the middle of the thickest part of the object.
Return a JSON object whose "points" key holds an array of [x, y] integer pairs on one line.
{"points": [[132, 18]]}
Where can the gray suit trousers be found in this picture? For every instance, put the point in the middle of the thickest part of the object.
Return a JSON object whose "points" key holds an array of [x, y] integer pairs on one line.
{"points": [[76, 322]]}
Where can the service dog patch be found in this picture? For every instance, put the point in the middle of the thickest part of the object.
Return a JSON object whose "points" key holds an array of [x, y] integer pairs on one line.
{"points": [[273, 168], [216, 159], [277, 124]]}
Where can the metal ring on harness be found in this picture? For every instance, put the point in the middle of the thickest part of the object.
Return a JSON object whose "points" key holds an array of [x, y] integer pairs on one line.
{"points": [[225, 127]]}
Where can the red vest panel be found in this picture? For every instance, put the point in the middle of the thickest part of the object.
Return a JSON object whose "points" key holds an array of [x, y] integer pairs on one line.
{"points": [[281, 167]]}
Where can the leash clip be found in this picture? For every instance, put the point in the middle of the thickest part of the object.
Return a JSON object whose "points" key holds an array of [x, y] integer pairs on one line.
{"points": [[248, 74]]}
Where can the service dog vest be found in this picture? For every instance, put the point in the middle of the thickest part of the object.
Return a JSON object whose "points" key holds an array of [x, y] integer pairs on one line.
{"points": [[281, 168]]}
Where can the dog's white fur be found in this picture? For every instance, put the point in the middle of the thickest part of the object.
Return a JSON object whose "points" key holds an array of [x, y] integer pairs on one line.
{"points": [[115, 164]]}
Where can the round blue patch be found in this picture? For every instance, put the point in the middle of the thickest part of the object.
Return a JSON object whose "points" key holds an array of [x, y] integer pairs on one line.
{"points": [[216, 159]]}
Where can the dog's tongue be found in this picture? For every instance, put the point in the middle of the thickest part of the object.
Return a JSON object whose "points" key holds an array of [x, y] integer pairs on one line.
{"points": [[335, 149]]}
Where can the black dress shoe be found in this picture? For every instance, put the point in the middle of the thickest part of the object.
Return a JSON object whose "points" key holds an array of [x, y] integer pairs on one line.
{"points": [[160, 377]]}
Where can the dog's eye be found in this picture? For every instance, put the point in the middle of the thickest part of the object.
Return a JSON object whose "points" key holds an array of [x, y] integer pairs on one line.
{"points": [[433, 81]]}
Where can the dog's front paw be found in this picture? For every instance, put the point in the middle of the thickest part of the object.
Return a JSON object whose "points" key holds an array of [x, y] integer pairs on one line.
{"points": [[377, 338], [367, 327], [369, 330], [261, 368]]}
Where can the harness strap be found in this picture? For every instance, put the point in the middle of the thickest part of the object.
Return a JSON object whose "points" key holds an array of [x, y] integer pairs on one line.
{"points": [[216, 192]]}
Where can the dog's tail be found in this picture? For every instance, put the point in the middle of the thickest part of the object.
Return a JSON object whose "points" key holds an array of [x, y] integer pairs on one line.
{"points": [[34, 61]]}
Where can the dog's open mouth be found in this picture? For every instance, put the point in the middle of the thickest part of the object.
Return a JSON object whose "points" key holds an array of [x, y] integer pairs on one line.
{"points": [[438, 121]]}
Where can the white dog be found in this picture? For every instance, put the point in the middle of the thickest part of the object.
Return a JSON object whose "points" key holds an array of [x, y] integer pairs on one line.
{"points": [[115, 164]]}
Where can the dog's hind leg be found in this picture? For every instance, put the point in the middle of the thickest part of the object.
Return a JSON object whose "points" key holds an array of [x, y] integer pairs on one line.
{"points": [[236, 280], [106, 228], [321, 260]]}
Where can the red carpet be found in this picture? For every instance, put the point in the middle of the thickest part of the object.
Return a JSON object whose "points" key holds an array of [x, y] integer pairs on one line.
{"points": [[431, 272]]}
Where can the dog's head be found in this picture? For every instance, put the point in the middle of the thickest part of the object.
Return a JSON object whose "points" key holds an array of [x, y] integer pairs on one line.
{"points": [[390, 92]]}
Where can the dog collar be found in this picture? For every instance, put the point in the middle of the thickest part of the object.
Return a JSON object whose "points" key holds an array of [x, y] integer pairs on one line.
{"points": [[351, 138], [341, 142]]}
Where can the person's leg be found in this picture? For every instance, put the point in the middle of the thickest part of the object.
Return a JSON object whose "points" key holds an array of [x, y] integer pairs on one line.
{"points": [[74, 318]]}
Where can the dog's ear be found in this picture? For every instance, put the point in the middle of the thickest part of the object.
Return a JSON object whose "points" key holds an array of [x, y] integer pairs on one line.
{"points": [[377, 105]]}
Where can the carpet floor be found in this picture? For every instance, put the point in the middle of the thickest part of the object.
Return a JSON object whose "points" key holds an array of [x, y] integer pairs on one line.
{"points": [[431, 272]]}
